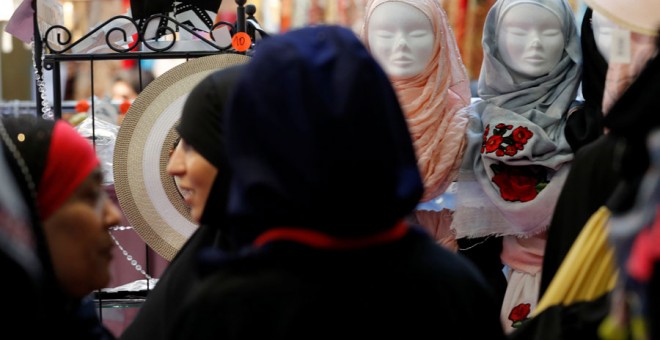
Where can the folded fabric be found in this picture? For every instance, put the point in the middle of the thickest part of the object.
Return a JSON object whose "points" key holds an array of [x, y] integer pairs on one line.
{"points": [[588, 271]]}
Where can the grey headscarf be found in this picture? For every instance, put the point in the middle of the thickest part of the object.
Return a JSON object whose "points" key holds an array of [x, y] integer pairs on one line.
{"points": [[517, 157]]}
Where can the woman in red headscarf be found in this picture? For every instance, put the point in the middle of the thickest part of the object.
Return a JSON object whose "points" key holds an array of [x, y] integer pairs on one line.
{"points": [[62, 174]]}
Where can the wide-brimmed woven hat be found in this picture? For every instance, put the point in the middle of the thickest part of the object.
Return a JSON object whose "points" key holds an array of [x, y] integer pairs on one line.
{"points": [[641, 16], [147, 195]]}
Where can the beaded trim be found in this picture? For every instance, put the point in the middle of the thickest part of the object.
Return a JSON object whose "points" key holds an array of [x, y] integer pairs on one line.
{"points": [[128, 256], [46, 110]]}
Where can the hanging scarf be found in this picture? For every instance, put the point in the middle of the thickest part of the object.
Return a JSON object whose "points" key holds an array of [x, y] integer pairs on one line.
{"points": [[517, 157], [621, 74], [432, 101], [586, 125]]}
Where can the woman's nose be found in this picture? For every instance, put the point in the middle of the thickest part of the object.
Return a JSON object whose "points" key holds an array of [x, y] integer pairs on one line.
{"points": [[175, 165], [112, 216]]}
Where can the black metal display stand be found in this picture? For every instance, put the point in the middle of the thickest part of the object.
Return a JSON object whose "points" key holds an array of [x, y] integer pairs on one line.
{"points": [[49, 56], [140, 49]]}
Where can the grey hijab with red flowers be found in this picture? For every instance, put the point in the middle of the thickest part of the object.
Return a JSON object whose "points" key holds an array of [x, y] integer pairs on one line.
{"points": [[517, 157]]}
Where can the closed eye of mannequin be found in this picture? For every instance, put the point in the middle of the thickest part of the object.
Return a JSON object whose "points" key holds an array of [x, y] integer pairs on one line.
{"points": [[401, 39], [530, 40], [602, 28]]}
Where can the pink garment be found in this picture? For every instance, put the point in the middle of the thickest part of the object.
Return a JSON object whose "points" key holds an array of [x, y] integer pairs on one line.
{"points": [[433, 101], [621, 75], [524, 254], [642, 17], [437, 223], [524, 257], [520, 299]]}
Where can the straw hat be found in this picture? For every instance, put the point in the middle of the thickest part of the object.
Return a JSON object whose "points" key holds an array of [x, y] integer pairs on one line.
{"points": [[641, 16], [147, 195]]}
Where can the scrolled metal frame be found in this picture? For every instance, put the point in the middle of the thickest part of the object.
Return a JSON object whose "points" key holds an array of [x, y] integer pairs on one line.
{"points": [[163, 29]]}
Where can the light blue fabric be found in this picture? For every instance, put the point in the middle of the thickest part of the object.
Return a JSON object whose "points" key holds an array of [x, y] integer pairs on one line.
{"points": [[446, 200]]}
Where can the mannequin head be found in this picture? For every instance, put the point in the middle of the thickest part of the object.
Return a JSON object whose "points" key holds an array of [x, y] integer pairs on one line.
{"points": [[401, 39], [530, 40], [602, 28]]}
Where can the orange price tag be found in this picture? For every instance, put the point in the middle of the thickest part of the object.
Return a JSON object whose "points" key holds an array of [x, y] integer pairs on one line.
{"points": [[241, 41]]}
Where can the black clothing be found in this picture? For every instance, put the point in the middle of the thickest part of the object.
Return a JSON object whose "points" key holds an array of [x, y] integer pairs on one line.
{"points": [[409, 289], [21, 264], [578, 321], [484, 253], [617, 160], [606, 172], [586, 124], [201, 127]]}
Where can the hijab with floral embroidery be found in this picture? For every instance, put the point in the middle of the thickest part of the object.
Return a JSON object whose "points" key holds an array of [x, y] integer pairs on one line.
{"points": [[517, 155]]}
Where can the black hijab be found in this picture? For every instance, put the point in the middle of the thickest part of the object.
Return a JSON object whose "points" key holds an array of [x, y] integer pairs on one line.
{"points": [[28, 162], [631, 120], [317, 140], [201, 127], [21, 242], [586, 124]]}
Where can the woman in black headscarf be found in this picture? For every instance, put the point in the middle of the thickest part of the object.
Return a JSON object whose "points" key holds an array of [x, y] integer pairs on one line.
{"points": [[324, 172], [202, 136]]}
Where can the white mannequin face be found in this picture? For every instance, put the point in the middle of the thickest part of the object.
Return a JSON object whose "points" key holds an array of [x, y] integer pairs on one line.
{"points": [[603, 29], [530, 41], [400, 39]]}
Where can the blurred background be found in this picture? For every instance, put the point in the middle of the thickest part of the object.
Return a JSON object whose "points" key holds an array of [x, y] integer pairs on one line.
{"points": [[466, 17], [118, 83]]}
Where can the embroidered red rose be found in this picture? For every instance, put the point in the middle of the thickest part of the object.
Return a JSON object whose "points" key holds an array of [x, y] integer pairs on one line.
{"points": [[516, 187], [503, 144], [493, 143], [503, 126], [521, 135], [510, 150], [519, 183], [519, 314]]}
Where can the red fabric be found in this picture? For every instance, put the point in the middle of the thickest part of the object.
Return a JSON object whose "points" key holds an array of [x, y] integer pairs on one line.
{"points": [[124, 106], [71, 158], [645, 251], [129, 64], [82, 106], [319, 240]]}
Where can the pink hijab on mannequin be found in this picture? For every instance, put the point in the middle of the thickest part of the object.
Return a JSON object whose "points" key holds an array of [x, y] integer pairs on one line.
{"points": [[433, 101]]}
